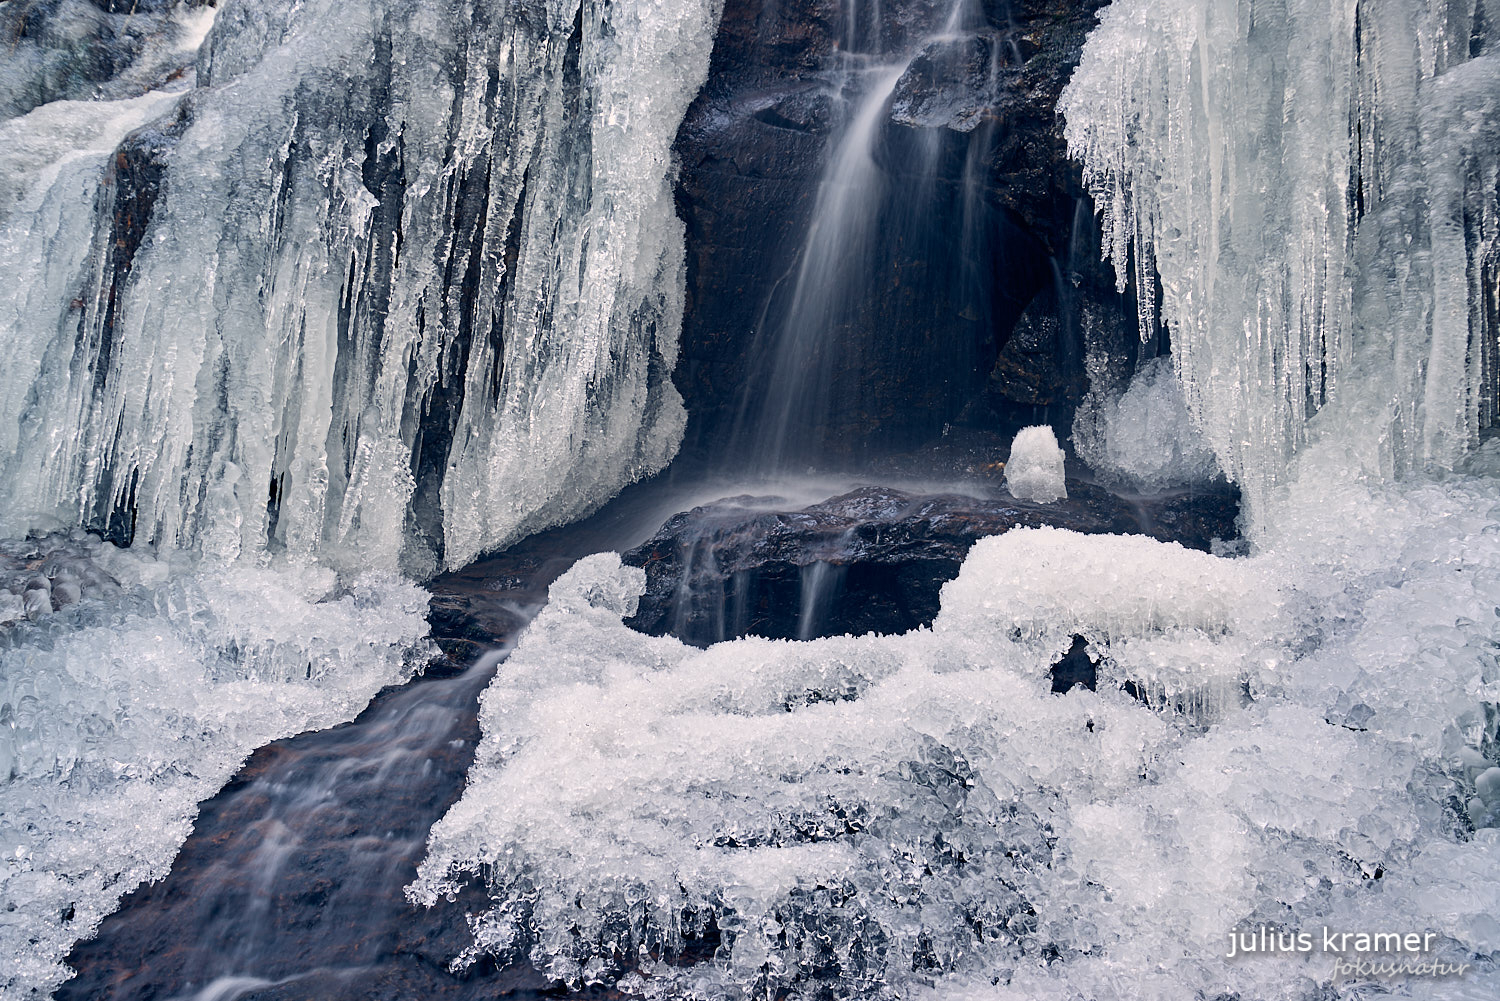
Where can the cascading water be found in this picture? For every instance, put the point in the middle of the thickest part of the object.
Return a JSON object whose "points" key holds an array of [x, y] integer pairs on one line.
{"points": [[831, 269], [820, 336], [139, 697], [1302, 738], [336, 818]]}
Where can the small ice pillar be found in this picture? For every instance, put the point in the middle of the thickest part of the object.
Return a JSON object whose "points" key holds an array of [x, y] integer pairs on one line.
{"points": [[1034, 471]]}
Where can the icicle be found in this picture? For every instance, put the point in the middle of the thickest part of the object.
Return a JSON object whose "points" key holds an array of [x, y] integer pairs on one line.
{"points": [[1302, 177], [410, 287]]}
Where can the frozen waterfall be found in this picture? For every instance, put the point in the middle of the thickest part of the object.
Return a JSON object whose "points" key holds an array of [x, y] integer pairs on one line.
{"points": [[389, 285], [297, 293], [1300, 737], [1315, 183]]}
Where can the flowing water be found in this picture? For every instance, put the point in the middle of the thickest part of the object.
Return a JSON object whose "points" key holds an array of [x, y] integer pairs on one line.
{"points": [[872, 200], [291, 883]]}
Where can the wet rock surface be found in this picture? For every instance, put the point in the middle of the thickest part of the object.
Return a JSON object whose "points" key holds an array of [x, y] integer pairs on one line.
{"points": [[871, 560]]}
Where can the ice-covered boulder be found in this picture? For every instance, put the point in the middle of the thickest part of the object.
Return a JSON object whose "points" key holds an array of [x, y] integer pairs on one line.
{"points": [[928, 793], [870, 560]]}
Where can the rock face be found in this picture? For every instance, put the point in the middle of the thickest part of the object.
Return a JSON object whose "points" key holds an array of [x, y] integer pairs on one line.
{"points": [[872, 560], [752, 147]]}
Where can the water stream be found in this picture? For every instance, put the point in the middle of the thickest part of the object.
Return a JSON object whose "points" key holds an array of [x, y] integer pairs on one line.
{"points": [[874, 201], [291, 883]]}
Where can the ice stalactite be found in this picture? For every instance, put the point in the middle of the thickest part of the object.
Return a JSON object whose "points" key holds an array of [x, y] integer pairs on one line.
{"points": [[391, 285], [1314, 183]]}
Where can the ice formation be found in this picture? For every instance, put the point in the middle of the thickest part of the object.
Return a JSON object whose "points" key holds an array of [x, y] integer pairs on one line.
{"points": [[1309, 744], [83, 51], [1316, 185], [1304, 737], [391, 284], [136, 692], [1034, 469], [1142, 437]]}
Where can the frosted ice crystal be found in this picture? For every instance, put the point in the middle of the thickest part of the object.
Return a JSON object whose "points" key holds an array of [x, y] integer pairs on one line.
{"points": [[1316, 188], [1034, 469], [1142, 437], [124, 707], [407, 286], [1309, 743]]}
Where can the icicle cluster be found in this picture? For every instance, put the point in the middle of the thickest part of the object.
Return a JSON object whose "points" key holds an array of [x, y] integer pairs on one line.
{"points": [[391, 285], [1314, 182]]}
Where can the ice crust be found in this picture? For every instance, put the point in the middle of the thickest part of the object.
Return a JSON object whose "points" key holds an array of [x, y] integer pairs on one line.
{"points": [[1317, 192], [1310, 745], [381, 229], [124, 708], [1034, 468], [78, 51]]}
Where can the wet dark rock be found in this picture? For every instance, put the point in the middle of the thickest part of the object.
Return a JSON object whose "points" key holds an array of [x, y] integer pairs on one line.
{"points": [[807, 111], [872, 560], [1030, 368], [954, 84], [1074, 668]]}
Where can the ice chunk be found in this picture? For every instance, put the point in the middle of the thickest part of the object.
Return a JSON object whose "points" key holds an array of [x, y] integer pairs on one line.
{"points": [[12, 607], [1034, 471], [1144, 437], [1035, 581]]}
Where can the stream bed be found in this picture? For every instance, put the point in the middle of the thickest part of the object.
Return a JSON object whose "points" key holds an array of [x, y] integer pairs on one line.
{"points": [[291, 884]]}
